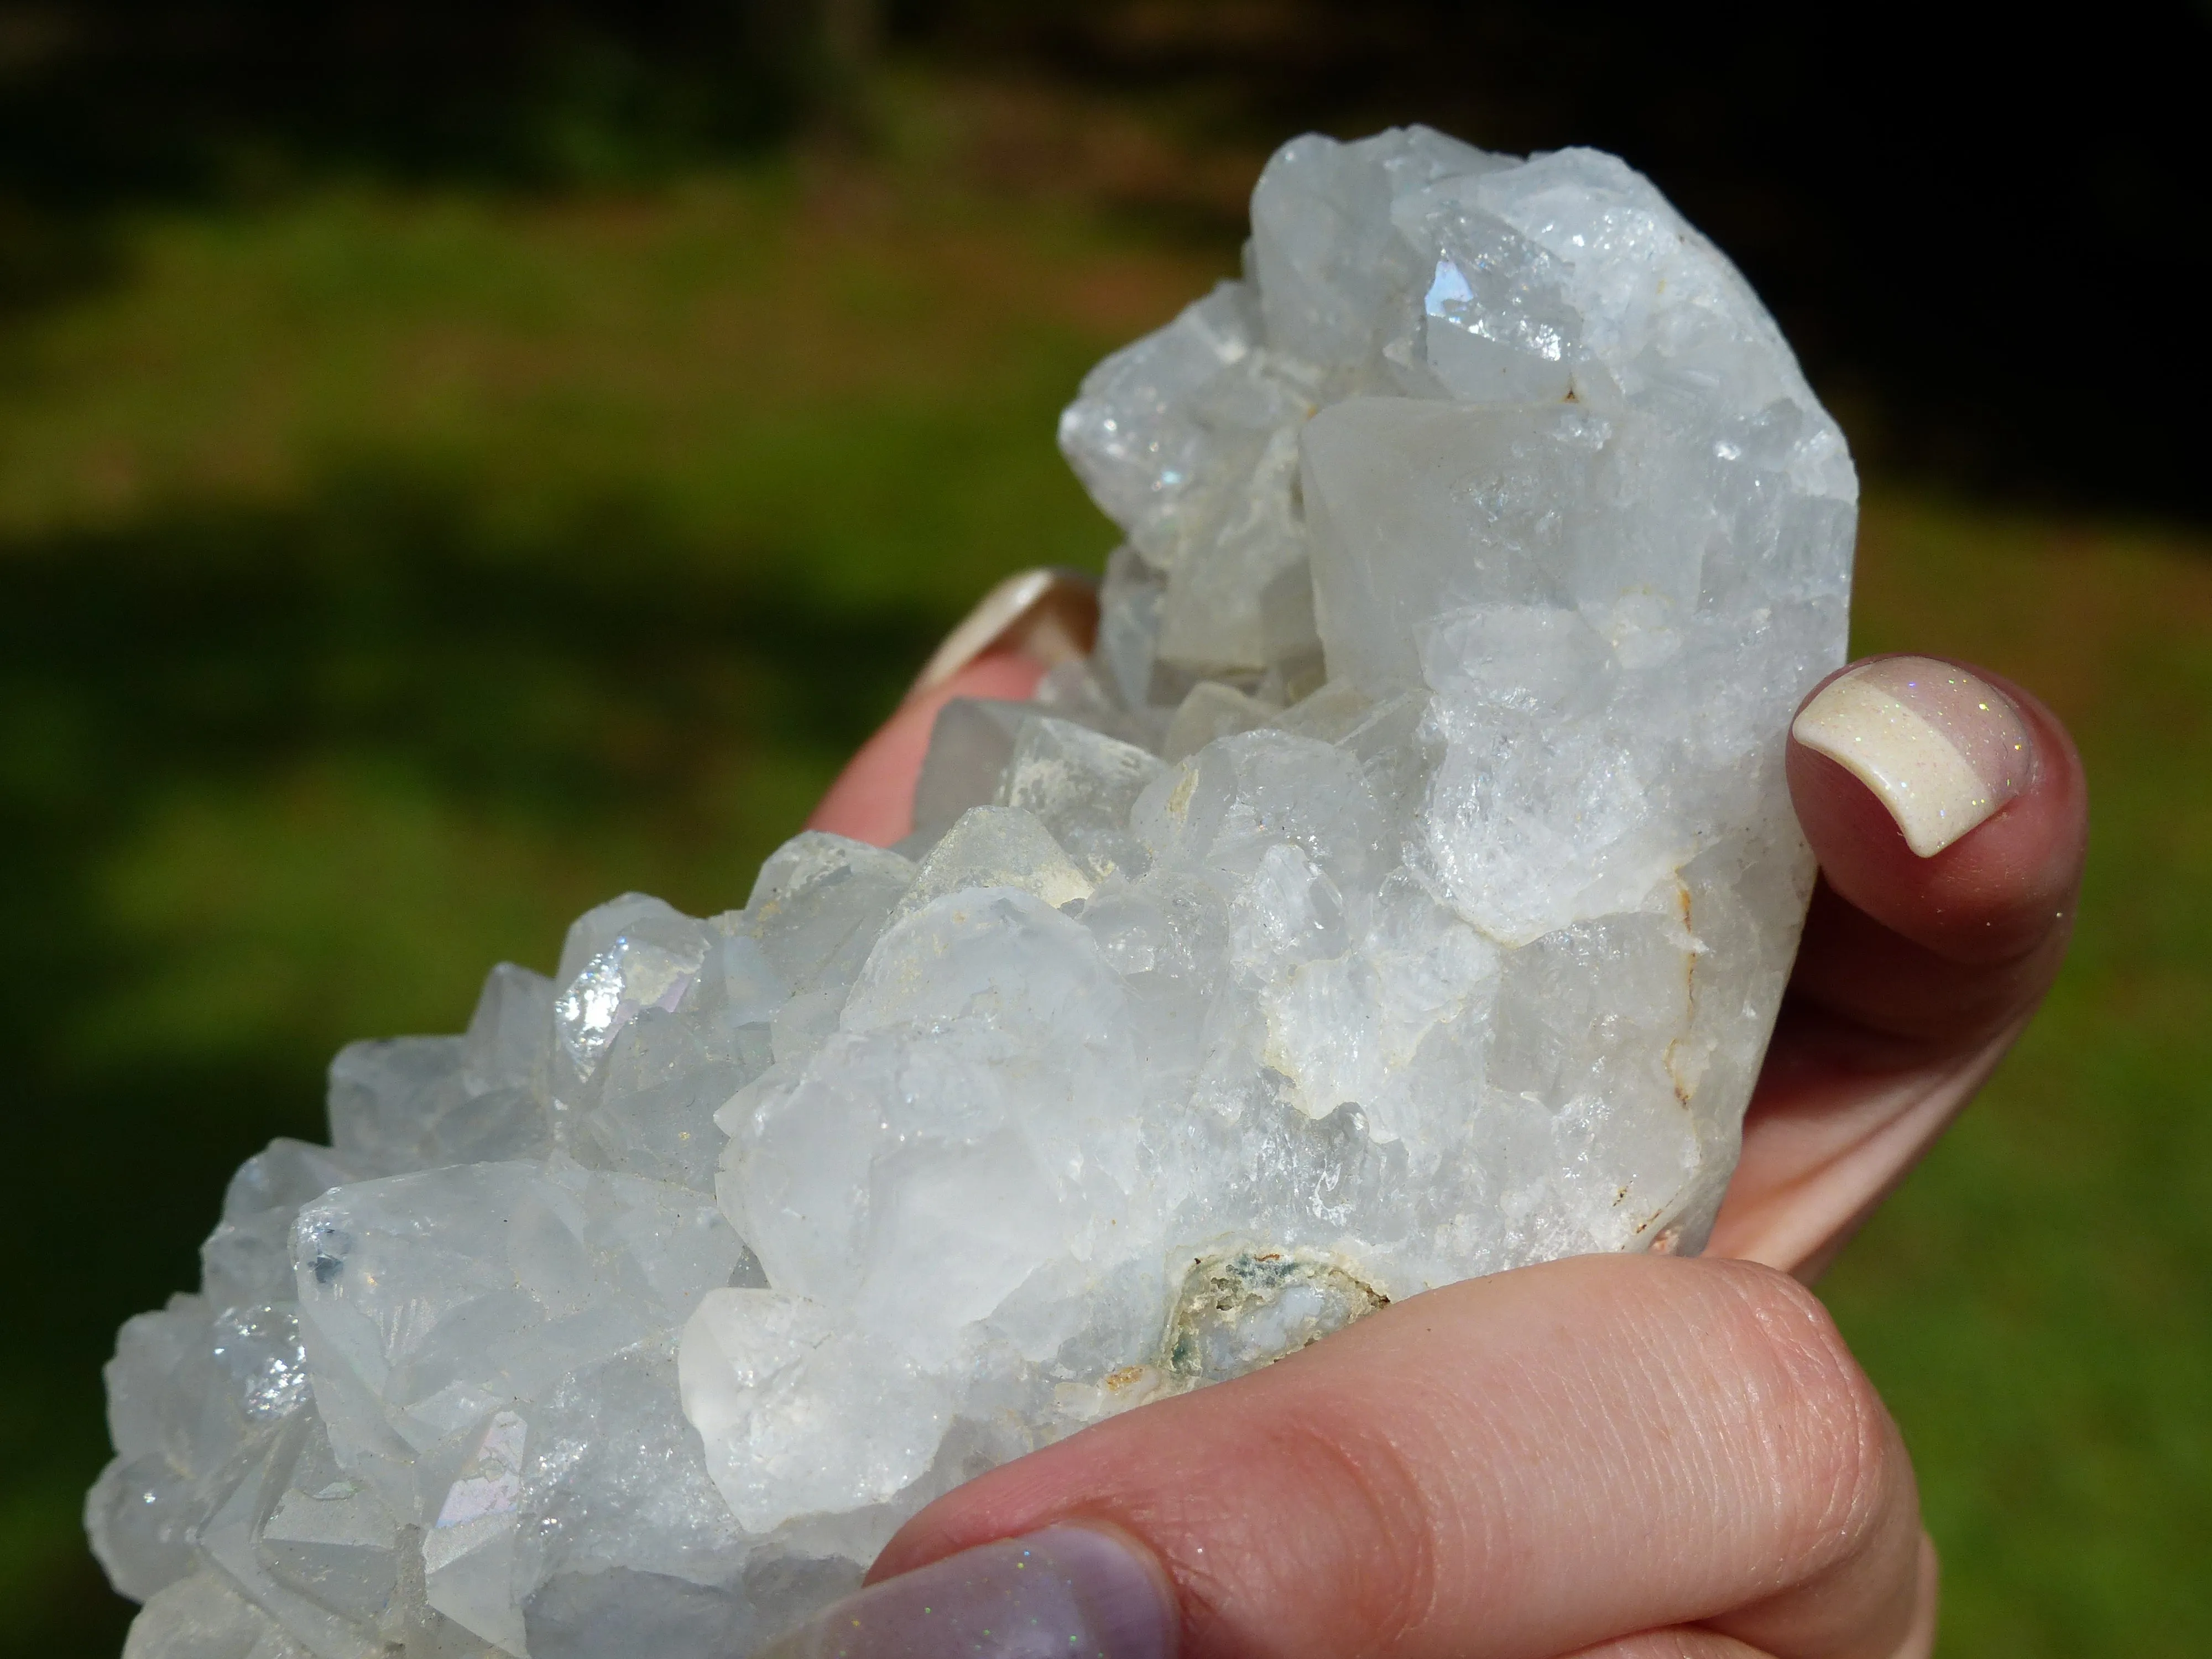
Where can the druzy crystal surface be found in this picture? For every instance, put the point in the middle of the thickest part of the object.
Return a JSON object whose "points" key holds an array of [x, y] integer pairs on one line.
{"points": [[1402, 890]]}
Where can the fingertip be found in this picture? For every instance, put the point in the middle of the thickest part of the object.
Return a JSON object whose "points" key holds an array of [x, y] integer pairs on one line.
{"points": [[1939, 746], [1888, 758], [1023, 628], [1071, 1588], [872, 800], [1049, 615]]}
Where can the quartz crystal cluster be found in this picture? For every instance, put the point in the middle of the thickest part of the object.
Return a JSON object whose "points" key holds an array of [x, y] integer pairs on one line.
{"points": [[1401, 891]]}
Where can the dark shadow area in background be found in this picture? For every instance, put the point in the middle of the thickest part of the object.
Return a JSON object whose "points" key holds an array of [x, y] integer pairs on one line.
{"points": [[578, 685], [1987, 234], [1983, 230]]}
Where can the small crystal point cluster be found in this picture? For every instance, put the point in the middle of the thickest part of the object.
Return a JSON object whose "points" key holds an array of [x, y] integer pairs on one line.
{"points": [[1402, 890]]}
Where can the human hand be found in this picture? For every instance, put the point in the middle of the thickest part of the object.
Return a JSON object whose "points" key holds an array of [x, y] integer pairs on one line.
{"points": [[1626, 1456]]}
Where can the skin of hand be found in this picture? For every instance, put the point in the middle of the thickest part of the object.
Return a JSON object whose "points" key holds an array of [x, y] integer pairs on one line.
{"points": [[1637, 1458]]}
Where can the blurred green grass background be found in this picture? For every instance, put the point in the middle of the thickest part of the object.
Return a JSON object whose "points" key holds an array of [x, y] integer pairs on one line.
{"points": [[393, 572]]}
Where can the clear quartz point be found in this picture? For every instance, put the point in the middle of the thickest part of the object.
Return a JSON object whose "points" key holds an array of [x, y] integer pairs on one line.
{"points": [[1403, 891]]}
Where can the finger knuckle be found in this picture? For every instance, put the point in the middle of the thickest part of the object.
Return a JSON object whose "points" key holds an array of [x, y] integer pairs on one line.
{"points": [[1382, 1529]]}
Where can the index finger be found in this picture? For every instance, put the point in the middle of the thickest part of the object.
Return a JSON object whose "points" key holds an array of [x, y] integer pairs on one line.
{"points": [[1934, 945], [1919, 964]]}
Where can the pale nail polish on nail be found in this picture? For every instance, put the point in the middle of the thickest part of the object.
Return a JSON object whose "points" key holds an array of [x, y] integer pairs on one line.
{"points": [[1940, 748], [1049, 614], [1064, 1592]]}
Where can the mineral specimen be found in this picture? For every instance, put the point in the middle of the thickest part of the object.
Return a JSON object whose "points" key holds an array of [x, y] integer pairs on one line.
{"points": [[1402, 890]]}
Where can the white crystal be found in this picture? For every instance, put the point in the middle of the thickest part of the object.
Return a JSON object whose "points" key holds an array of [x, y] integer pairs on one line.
{"points": [[1080, 784], [201, 1617], [1403, 890]]}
